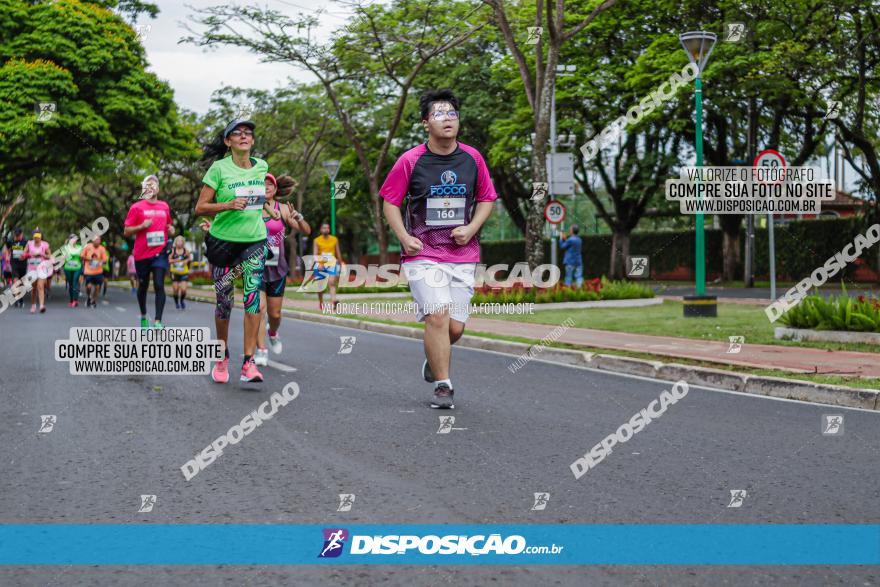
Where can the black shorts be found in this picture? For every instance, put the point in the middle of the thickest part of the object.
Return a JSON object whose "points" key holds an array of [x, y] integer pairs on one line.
{"points": [[274, 289], [223, 253], [175, 277], [95, 279], [143, 267], [19, 270]]}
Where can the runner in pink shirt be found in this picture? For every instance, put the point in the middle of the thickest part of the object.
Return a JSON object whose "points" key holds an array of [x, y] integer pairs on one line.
{"points": [[39, 261], [150, 221], [449, 195]]}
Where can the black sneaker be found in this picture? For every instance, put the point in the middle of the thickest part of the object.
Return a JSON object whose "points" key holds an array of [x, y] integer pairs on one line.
{"points": [[426, 372], [442, 397]]}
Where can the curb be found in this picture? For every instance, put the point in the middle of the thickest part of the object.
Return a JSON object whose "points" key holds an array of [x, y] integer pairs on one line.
{"points": [[836, 395], [783, 333]]}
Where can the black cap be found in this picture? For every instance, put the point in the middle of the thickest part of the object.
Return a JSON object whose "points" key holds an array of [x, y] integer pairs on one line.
{"points": [[19, 230], [237, 122]]}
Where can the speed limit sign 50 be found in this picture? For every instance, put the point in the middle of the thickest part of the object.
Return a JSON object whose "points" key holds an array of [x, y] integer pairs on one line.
{"points": [[769, 166], [554, 212]]}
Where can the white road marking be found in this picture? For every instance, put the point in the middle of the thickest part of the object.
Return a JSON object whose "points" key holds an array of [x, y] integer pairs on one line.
{"points": [[281, 366], [120, 308]]}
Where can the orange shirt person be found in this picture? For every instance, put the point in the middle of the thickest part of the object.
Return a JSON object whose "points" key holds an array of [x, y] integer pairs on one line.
{"points": [[93, 256]]}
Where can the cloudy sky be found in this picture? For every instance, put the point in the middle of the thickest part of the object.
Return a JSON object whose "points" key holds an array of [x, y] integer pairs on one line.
{"points": [[195, 73]]}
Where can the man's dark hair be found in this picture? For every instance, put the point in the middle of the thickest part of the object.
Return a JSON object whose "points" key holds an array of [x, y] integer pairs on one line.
{"points": [[428, 98], [575, 229]]}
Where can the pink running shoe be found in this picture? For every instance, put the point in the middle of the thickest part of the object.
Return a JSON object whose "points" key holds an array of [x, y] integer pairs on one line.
{"points": [[249, 372], [33, 308], [220, 372]]}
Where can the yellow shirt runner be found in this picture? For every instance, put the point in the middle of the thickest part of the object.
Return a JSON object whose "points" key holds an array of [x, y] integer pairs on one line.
{"points": [[326, 250]]}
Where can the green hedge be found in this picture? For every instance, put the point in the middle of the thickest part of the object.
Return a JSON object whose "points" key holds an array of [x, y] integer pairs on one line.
{"points": [[800, 248]]}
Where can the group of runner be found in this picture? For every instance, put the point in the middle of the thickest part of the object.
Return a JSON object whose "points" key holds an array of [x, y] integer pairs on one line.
{"points": [[448, 194], [444, 185]]}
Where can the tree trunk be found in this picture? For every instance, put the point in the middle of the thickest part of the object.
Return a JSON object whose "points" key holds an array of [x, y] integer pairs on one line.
{"points": [[535, 221], [619, 253], [730, 224], [379, 221]]}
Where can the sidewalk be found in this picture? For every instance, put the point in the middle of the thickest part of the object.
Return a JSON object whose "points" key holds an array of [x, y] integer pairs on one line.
{"points": [[759, 356]]}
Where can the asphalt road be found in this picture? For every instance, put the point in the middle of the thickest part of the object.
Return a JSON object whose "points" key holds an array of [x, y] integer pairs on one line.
{"points": [[361, 425]]}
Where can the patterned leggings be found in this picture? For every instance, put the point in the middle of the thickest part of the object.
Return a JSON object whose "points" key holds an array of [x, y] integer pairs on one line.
{"points": [[228, 261]]}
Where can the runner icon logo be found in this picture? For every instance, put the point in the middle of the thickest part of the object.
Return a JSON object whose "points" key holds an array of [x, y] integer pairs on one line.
{"points": [[45, 111], [346, 500], [534, 35], [832, 424], [346, 344], [539, 190], [736, 343], [147, 503], [541, 500], [340, 189], [734, 32], [833, 111], [737, 496], [334, 540], [47, 423], [637, 267]]}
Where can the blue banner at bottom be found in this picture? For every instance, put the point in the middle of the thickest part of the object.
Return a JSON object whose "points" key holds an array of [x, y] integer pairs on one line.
{"points": [[157, 544]]}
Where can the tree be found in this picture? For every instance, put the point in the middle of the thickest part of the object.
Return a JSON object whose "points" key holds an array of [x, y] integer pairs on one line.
{"points": [[539, 90], [86, 61], [367, 70]]}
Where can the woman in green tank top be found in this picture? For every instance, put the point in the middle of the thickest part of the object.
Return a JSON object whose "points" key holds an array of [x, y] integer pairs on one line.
{"points": [[72, 269]]}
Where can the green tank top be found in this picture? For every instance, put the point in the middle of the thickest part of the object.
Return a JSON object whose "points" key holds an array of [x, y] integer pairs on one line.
{"points": [[73, 261]]}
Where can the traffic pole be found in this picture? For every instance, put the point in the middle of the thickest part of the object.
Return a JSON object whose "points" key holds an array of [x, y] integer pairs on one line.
{"points": [[332, 207]]}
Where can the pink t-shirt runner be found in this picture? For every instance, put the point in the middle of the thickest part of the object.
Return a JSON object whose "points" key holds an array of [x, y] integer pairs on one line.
{"points": [[441, 192], [150, 241]]}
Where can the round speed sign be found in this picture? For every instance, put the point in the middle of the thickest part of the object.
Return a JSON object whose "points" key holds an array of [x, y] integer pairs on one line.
{"points": [[554, 212], [769, 166]]}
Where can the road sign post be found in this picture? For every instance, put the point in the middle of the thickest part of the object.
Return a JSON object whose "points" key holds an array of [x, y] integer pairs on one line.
{"points": [[554, 213], [770, 158]]}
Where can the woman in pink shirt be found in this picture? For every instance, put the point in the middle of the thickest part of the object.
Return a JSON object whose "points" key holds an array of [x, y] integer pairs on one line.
{"points": [[149, 221], [39, 261]]}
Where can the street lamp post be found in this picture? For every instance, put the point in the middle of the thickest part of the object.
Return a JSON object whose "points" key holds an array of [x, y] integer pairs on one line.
{"points": [[332, 168], [698, 45]]}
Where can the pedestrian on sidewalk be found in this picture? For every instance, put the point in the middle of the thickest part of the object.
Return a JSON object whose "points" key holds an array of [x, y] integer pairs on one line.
{"points": [[573, 260]]}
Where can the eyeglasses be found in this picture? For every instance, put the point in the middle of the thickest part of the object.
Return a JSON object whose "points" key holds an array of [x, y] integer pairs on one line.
{"points": [[239, 133], [440, 115]]}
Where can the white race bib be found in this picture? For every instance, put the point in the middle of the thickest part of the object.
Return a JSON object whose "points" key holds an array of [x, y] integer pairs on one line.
{"points": [[156, 238], [94, 263], [255, 196], [445, 211], [33, 261], [178, 266], [273, 262], [17, 253]]}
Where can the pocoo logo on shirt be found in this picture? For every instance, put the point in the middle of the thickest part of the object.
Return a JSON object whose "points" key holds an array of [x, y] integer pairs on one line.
{"points": [[447, 186]]}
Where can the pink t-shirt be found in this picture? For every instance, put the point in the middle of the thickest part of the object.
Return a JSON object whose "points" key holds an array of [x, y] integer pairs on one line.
{"points": [[441, 193], [36, 253], [150, 241]]}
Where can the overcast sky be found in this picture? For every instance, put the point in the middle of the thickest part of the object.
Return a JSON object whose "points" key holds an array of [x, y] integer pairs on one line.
{"points": [[195, 73]]}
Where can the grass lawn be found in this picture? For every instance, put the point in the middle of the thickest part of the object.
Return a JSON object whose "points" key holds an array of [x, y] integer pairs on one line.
{"points": [[667, 319]]}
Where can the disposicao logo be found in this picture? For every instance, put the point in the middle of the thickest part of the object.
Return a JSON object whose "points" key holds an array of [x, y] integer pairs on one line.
{"points": [[334, 540]]}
